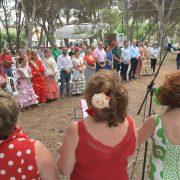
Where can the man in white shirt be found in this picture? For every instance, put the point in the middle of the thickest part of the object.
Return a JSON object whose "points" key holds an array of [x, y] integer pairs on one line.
{"points": [[65, 66], [125, 60], [154, 52], [135, 54]]}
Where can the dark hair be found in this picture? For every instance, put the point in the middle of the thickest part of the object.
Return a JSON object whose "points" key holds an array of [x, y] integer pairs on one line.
{"points": [[46, 50], [106, 47], [9, 112], [169, 94], [126, 41], [77, 50], [108, 82]]}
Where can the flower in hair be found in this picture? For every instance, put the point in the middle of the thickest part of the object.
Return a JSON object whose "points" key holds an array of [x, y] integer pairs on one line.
{"points": [[100, 101]]}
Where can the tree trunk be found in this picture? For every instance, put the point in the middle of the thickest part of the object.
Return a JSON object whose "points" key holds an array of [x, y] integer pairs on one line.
{"points": [[18, 23], [137, 30], [131, 30], [29, 38], [149, 35], [6, 26], [175, 34], [30, 22], [52, 40], [41, 37]]}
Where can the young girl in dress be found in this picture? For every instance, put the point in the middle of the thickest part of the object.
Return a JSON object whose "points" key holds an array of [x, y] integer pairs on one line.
{"points": [[98, 147], [27, 96], [38, 77], [164, 129]]}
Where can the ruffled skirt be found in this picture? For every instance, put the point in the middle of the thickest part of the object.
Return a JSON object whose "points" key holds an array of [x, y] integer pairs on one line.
{"points": [[40, 88], [52, 89], [27, 96], [77, 85]]}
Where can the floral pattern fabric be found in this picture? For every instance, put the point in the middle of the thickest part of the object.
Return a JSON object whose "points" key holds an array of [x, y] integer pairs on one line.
{"points": [[165, 158]]}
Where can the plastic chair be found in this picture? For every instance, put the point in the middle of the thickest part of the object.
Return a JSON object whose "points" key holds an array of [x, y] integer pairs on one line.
{"points": [[12, 85]]}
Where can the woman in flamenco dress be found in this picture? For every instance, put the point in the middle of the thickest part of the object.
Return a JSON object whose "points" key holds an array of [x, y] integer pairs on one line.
{"points": [[38, 77]]}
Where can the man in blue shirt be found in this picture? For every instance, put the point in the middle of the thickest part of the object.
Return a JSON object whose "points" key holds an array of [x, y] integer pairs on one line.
{"points": [[134, 54]]}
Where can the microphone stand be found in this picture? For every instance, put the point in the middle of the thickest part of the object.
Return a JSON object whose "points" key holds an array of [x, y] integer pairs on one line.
{"points": [[150, 90]]}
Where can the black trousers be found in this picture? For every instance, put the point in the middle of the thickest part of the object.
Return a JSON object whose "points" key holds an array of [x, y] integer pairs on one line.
{"points": [[124, 69], [116, 66], [153, 64], [178, 64], [65, 79], [132, 71]]}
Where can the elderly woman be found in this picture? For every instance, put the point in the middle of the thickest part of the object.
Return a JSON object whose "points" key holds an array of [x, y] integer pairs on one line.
{"points": [[20, 157], [51, 72], [99, 146], [90, 63]]}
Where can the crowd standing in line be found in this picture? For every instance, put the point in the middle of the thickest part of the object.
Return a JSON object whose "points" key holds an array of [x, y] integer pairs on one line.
{"points": [[49, 71]]}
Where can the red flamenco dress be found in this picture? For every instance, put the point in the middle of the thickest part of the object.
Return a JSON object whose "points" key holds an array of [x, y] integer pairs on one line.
{"points": [[38, 80]]}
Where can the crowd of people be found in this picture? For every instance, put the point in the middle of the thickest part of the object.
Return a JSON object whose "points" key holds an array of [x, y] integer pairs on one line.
{"points": [[46, 74], [97, 147]]}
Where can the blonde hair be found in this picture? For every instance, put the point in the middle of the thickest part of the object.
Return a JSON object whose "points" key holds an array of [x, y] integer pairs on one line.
{"points": [[9, 112]]}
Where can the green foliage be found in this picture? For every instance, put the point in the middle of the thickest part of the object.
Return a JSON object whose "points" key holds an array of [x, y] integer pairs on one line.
{"points": [[111, 16], [12, 36]]}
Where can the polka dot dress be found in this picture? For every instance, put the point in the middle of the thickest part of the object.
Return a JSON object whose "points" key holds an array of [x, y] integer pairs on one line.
{"points": [[17, 158]]}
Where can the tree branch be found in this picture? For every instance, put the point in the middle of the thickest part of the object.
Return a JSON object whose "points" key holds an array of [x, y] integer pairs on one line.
{"points": [[155, 3], [171, 27], [170, 10], [163, 8]]}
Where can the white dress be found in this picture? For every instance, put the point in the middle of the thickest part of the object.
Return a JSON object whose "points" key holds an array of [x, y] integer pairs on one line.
{"points": [[78, 81]]}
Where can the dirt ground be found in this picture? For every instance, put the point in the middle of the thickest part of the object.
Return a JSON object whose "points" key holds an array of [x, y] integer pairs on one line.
{"points": [[49, 123]]}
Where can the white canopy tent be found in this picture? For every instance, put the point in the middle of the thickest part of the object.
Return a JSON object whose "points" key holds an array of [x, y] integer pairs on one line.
{"points": [[81, 31]]}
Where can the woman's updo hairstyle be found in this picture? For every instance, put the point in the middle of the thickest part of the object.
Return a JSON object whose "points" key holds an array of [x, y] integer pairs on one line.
{"points": [[108, 82], [169, 94]]}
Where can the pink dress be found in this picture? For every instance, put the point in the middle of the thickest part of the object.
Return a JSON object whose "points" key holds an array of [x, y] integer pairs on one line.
{"points": [[27, 96], [18, 158]]}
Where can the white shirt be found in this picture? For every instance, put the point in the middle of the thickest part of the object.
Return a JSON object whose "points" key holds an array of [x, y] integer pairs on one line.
{"points": [[78, 62], [154, 53], [125, 56], [64, 62]]}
